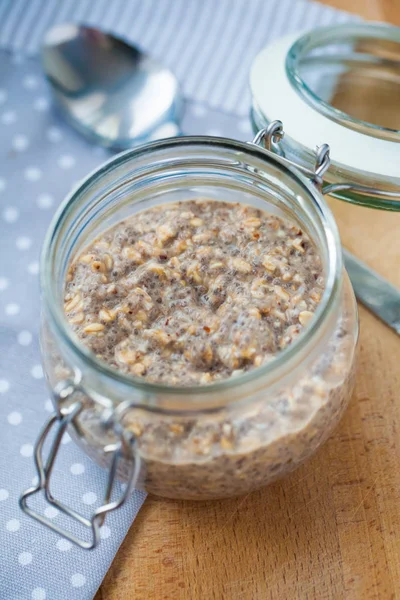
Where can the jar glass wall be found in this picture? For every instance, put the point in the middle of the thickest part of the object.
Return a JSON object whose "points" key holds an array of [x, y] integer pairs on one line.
{"points": [[337, 85], [229, 437]]}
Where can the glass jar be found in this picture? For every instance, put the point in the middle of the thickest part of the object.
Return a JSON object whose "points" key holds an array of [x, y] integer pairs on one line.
{"points": [[338, 85], [216, 440]]}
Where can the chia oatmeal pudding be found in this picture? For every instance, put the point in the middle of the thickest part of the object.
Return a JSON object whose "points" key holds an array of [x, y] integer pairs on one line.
{"points": [[201, 291]]}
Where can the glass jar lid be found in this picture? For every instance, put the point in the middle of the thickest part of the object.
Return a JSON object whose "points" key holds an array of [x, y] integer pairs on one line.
{"points": [[338, 85]]}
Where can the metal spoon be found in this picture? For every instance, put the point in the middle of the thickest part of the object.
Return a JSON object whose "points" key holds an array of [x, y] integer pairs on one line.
{"points": [[110, 91]]}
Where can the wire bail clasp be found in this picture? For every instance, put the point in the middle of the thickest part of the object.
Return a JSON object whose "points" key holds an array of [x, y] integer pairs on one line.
{"points": [[124, 448], [274, 133]]}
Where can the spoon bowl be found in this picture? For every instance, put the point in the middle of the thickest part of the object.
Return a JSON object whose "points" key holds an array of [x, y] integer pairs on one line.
{"points": [[111, 92]]}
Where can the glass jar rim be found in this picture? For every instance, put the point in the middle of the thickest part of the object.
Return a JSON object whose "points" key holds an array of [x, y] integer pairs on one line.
{"points": [[318, 38], [357, 160], [284, 360]]}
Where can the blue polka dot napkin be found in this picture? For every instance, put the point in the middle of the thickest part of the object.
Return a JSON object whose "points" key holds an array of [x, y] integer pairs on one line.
{"points": [[40, 160]]}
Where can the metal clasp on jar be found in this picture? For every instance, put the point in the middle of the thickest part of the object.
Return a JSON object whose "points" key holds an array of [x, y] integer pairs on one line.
{"points": [[68, 409], [274, 133]]}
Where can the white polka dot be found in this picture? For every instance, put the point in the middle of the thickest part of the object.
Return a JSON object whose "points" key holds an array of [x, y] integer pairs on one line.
{"points": [[37, 372], [3, 184], [99, 151], [18, 59], [89, 498], [45, 201], [66, 161], [66, 438], [105, 532], [24, 338], [26, 450], [33, 268], [199, 111], [48, 405], [64, 545], [25, 558], [20, 143], [51, 512], [10, 214], [3, 96], [30, 82], [35, 480], [41, 104], [77, 469], [13, 525], [4, 386], [14, 418], [214, 132], [32, 173], [3, 284], [38, 594], [23, 242], [9, 117], [54, 134], [78, 580], [12, 309], [3, 494], [244, 126]]}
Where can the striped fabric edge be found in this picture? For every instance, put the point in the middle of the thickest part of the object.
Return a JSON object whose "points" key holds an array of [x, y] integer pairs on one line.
{"points": [[209, 45]]}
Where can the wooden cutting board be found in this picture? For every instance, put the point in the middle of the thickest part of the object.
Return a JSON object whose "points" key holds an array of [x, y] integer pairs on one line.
{"points": [[331, 530]]}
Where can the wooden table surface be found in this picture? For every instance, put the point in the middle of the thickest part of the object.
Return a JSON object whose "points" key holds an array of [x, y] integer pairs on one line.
{"points": [[331, 530]]}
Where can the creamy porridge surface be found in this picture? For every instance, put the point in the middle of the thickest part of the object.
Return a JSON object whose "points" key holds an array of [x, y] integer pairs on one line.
{"points": [[193, 292], [200, 291]]}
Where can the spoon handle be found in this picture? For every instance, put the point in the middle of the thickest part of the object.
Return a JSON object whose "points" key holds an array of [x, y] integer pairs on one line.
{"points": [[377, 294]]}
